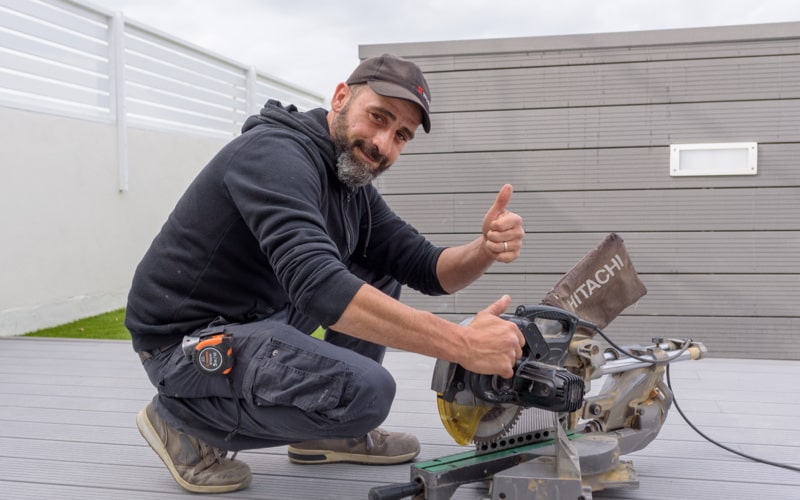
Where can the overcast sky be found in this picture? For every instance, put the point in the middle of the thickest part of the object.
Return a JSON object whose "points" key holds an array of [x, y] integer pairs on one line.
{"points": [[314, 43]]}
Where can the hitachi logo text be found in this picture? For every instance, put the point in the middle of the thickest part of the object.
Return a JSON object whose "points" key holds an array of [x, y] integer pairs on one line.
{"points": [[601, 277]]}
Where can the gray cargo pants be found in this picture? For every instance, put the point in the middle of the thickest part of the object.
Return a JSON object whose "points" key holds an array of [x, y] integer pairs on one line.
{"points": [[290, 386]]}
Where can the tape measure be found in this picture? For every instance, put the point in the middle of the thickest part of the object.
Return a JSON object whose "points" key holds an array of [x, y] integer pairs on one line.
{"points": [[211, 352]]}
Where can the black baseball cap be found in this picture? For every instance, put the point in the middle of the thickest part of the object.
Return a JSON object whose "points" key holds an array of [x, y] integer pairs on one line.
{"points": [[392, 76]]}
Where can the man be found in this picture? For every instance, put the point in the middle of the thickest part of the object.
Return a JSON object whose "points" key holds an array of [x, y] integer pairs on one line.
{"points": [[280, 233]]}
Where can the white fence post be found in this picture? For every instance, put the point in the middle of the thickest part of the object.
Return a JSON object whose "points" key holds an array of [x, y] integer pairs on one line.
{"points": [[252, 104], [117, 49]]}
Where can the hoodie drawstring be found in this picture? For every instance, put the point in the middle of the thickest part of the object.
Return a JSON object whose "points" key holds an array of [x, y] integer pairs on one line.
{"points": [[369, 226]]}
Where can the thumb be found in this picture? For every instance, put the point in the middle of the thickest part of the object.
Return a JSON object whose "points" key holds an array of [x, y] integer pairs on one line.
{"points": [[501, 202], [499, 307]]}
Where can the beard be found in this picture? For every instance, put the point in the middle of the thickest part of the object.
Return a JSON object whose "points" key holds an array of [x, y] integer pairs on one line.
{"points": [[352, 172]]}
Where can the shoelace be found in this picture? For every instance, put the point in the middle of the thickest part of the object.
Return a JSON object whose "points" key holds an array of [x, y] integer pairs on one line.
{"points": [[220, 454], [212, 455], [368, 439], [369, 442]]}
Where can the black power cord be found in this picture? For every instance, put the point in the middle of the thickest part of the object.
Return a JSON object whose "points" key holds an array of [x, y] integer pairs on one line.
{"points": [[735, 452], [675, 401]]}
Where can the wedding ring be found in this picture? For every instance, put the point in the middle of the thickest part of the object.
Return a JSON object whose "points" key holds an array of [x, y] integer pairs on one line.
{"points": [[505, 246]]}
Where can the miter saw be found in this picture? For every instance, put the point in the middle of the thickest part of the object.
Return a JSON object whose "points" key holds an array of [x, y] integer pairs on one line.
{"points": [[544, 433]]}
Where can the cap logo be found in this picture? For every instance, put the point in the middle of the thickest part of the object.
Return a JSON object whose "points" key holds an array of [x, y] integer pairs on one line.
{"points": [[421, 92]]}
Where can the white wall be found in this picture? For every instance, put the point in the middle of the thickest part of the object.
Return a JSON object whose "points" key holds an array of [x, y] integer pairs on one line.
{"points": [[70, 238], [76, 211]]}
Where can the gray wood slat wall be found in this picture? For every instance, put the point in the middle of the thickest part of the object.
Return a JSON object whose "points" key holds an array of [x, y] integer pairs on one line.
{"points": [[581, 126]]}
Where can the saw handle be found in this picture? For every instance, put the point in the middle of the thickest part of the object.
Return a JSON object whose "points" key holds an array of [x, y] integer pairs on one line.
{"points": [[395, 491]]}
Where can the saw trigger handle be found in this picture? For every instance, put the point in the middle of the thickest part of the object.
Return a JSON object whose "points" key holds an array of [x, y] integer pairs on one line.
{"points": [[548, 331]]}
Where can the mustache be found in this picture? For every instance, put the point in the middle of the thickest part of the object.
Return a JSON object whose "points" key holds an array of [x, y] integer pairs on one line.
{"points": [[373, 152]]}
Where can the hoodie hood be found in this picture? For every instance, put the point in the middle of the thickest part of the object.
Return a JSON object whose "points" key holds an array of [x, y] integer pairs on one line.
{"points": [[313, 124]]}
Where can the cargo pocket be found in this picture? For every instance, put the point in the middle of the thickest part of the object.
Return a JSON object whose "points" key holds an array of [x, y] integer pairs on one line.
{"points": [[284, 375]]}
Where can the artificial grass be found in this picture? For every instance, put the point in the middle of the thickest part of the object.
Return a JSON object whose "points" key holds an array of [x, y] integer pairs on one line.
{"points": [[103, 326]]}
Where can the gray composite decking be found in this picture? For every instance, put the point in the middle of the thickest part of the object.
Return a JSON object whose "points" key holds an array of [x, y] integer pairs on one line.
{"points": [[67, 411]]}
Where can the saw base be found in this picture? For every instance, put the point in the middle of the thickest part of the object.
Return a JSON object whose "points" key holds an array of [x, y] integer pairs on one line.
{"points": [[531, 471], [547, 476]]}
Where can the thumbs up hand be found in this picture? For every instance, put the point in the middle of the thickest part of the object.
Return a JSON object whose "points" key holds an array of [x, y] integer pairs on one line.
{"points": [[502, 230]]}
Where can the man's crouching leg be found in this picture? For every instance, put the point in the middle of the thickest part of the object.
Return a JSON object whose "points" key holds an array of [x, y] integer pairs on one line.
{"points": [[285, 387], [373, 445], [370, 445]]}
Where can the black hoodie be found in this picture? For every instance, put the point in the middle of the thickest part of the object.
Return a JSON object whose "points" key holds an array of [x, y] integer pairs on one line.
{"points": [[266, 224]]}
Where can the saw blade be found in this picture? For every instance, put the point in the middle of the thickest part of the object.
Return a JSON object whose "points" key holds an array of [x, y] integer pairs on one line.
{"points": [[479, 422], [460, 421], [496, 423], [466, 417]]}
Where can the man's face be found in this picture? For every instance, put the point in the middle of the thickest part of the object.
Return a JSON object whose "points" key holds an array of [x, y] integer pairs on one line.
{"points": [[369, 132]]}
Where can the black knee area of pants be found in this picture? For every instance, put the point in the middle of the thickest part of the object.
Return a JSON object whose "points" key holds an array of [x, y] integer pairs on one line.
{"points": [[373, 396]]}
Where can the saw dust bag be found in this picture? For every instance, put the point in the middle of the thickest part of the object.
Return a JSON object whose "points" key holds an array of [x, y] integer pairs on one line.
{"points": [[600, 286]]}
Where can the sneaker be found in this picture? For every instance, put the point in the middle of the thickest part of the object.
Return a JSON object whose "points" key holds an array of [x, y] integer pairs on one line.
{"points": [[379, 447], [196, 466]]}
